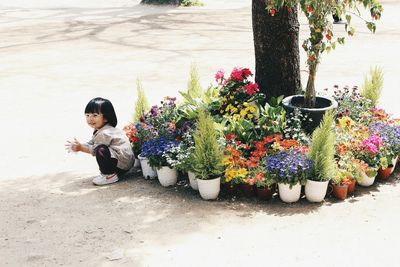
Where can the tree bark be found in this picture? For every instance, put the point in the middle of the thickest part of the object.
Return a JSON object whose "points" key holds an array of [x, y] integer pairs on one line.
{"points": [[276, 45]]}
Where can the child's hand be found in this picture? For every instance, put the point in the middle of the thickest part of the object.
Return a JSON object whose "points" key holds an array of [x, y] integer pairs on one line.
{"points": [[74, 145]]}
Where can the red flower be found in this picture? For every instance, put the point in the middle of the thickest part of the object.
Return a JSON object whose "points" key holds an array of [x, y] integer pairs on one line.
{"points": [[251, 88], [236, 74], [272, 12], [309, 9], [230, 136], [246, 73], [328, 36]]}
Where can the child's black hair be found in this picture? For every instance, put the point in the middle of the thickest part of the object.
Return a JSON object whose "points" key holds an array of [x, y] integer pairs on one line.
{"points": [[103, 106]]}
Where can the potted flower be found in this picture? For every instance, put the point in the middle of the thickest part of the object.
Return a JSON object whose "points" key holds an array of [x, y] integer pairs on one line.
{"points": [[340, 182], [322, 153], [390, 135], [321, 39], [155, 151], [264, 183], [131, 133], [368, 151], [208, 156], [290, 169]]}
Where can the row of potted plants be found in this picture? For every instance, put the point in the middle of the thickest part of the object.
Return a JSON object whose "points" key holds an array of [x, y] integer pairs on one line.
{"points": [[227, 135]]}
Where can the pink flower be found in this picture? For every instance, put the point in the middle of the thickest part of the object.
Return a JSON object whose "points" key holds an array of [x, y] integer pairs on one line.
{"points": [[251, 88], [219, 75]]}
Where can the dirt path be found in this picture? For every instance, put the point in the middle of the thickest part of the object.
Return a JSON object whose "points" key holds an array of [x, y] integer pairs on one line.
{"points": [[56, 55]]}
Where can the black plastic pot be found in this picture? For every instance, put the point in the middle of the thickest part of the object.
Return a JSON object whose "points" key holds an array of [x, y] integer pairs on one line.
{"points": [[322, 104]]}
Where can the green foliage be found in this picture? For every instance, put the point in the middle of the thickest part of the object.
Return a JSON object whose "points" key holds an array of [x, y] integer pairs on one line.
{"points": [[372, 87], [194, 89], [191, 3], [273, 117], [322, 150], [141, 105], [208, 154]]}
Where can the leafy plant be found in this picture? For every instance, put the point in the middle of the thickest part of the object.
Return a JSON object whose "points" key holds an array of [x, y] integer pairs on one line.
{"points": [[372, 87], [208, 154], [322, 150], [141, 105], [187, 3], [322, 36]]}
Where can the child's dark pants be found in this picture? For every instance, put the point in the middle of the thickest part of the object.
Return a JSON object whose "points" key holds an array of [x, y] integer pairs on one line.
{"points": [[107, 164]]}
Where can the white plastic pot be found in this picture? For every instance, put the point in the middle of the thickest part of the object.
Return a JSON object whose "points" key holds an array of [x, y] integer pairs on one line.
{"points": [[366, 180], [148, 171], [193, 181], [316, 190], [167, 176], [209, 189], [289, 195], [394, 162]]}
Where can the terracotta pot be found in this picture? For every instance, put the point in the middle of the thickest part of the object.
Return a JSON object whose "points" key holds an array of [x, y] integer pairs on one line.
{"points": [[340, 191], [247, 190], [351, 187], [384, 174], [265, 193]]}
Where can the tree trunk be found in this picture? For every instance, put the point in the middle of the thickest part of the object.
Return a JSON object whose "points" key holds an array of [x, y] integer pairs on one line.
{"points": [[276, 44], [309, 97]]}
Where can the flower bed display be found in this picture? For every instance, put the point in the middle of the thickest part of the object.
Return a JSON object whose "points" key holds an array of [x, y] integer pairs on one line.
{"points": [[261, 147]]}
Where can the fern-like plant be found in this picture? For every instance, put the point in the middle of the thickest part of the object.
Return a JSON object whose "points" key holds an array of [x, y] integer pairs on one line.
{"points": [[372, 87], [141, 105], [208, 153], [193, 87], [322, 150]]}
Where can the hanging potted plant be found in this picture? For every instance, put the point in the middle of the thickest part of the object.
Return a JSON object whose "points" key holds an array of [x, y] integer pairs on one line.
{"points": [[208, 156], [321, 39], [290, 169], [322, 153]]}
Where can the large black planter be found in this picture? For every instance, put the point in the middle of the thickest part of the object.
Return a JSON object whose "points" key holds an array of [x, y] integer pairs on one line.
{"points": [[322, 104]]}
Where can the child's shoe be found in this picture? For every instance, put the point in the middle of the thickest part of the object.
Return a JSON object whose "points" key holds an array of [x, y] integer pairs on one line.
{"points": [[104, 179]]}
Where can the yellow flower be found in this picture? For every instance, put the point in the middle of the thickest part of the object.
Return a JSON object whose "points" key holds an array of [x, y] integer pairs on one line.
{"points": [[242, 172], [317, 30], [236, 117], [250, 116], [231, 97], [346, 122], [227, 160], [245, 104], [243, 113]]}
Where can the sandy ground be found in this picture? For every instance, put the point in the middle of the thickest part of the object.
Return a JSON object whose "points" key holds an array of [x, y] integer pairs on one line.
{"points": [[56, 55]]}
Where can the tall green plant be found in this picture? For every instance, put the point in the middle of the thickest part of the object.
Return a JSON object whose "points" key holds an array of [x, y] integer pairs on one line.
{"points": [[322, 150], [141, 105], [372, 87], [208, 154], [193, 87]]}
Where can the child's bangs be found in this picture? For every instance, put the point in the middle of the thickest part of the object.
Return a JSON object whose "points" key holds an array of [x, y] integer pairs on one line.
{"points": [[93, 107]]}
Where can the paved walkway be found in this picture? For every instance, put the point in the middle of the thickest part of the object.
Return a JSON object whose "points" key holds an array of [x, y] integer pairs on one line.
{"points": [[56, 55]]}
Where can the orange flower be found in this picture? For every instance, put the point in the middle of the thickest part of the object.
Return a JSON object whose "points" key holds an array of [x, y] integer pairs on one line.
{"points": [[341, 149], [288, 143]]}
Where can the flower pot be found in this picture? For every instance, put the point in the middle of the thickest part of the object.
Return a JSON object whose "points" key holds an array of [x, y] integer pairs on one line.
{"points": [[287, 194], [394, 162], [351, 187], [383, 174], [340, 191], [247, 190], [322, 104], [193, 181], [148, 171], [136, 163], [209, 189], [366, 180], [230, 188], [265, 193], [167, 176], [316, 190]]}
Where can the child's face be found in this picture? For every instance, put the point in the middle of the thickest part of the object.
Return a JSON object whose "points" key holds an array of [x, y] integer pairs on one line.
{"points": [[95, 120]]}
